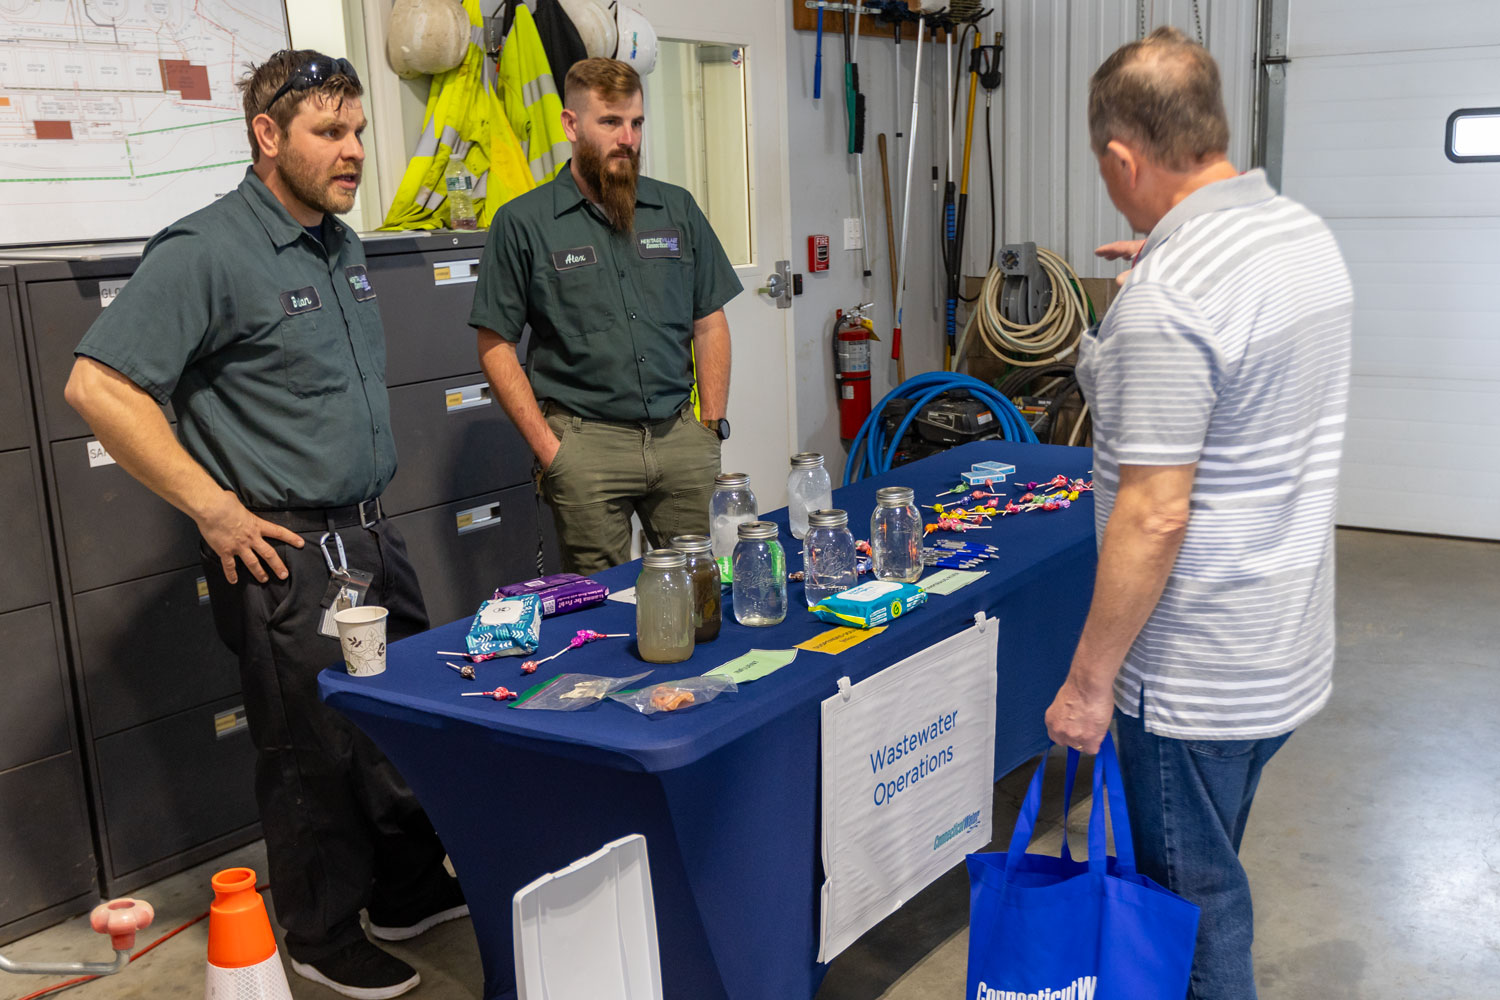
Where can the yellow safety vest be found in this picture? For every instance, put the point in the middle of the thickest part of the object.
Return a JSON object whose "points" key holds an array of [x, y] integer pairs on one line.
{"points": [[464, 117], [532, 104]]}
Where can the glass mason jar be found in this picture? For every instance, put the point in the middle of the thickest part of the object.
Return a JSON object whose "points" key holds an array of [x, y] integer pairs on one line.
{"points": [[664, 607], [759, 575], [707, 593], [733, 504], [828, 556], [808, 488], [896, 535]]}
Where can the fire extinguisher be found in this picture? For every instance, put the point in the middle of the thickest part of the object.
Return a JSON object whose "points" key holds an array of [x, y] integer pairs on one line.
{"points": [[852, 333]]}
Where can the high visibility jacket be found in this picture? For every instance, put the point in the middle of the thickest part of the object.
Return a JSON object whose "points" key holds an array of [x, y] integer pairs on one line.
{"points": [[529, 94], [464, 118]]}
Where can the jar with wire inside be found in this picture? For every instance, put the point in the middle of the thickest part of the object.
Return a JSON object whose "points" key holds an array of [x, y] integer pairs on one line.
{"points": [[759, 588], [829, 560], [896, 535]]}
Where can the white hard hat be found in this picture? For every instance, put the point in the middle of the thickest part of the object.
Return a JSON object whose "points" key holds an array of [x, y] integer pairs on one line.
{"points": [[426, 37], [595, 26], [636, 44]]}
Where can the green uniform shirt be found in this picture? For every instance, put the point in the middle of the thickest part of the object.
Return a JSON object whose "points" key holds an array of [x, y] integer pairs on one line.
{"points": [[269, 346], [611, 315]]}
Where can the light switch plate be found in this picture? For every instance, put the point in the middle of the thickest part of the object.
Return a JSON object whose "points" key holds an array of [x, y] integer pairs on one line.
{"points": [[854, 237]]}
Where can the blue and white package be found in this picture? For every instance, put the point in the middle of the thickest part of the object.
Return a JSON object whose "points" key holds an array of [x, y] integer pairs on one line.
{"points": [[999, 468], [510, 626], [871, 604]]}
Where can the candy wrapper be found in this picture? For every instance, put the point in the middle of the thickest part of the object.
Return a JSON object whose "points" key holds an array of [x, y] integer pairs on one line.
{"points": [[559, 592], [674, 696], [511, 626], [570, 692], [870, 604]]}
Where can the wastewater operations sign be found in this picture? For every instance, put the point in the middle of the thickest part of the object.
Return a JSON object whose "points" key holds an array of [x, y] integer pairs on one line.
{"points": [[908, 780]]}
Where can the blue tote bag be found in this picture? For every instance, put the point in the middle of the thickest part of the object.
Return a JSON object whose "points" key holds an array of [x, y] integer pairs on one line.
{"points": [[1050, 927]]}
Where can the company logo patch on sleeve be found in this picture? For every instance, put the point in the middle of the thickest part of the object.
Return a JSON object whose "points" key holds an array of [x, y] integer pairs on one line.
{"points": [[659, 243], [566, 260], [300, 301], [359, 282]]}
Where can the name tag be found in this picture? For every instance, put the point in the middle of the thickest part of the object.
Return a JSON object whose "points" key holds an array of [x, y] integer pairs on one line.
{"points": [[659, 243], [300, 301], [566, 260], [359, 282]]}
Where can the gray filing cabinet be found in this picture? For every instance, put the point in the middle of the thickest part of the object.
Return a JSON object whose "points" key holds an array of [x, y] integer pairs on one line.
{"points": [[170, 762], [47, 867]]}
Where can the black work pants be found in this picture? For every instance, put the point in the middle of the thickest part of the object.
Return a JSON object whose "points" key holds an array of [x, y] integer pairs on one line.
{"points": [[342, 829]]}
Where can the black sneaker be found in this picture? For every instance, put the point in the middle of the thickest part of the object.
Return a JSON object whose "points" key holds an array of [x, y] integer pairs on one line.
{"points": [[445, 902], [361, 971]]}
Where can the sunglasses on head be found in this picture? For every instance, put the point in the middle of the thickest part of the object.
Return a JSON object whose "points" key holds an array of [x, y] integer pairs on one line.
{"points": [[314, 73]]}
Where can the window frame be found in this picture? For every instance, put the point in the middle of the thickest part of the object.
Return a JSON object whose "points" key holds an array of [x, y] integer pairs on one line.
{"points": [[1449, 129]]}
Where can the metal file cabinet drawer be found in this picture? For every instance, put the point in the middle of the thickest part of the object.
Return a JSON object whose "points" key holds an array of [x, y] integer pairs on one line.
{"points": [[148, 648], [425, 299], [452, 439], [34, 718], [463, 551], [175, 784], [44, 838], [113, 528], [15, 414], [24, 581], [61, 313]]}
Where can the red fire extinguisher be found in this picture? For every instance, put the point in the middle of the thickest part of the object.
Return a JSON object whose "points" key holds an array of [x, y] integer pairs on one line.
{"points": [[851, 368]]}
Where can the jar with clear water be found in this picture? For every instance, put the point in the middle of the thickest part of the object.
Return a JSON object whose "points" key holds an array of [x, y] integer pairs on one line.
{"points": [[759, 587], [808, 488], [707, 592], [896, 535], [733, 504], [829, 560], [664, 607]]}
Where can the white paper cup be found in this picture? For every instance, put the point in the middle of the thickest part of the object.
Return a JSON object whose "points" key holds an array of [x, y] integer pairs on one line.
{"points": [[362, 637]]}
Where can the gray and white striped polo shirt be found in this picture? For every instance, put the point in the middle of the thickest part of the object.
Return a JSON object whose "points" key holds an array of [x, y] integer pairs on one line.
{"points": [[1229, 347]]}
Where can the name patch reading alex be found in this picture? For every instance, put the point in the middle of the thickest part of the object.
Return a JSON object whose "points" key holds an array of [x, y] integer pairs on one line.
{"points": [[300, 301], [659, 243], [565, 260], [359, 282]]}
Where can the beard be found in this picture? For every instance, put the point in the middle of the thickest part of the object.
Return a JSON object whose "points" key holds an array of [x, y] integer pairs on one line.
{"points": [[313, 186], [614, 179]]}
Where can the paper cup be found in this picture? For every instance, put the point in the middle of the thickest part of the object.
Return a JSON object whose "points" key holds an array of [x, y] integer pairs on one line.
{"points": [[362, 637]]}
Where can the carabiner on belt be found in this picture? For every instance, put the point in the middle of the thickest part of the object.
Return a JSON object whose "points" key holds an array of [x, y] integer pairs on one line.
{"points": [[343, 566]]}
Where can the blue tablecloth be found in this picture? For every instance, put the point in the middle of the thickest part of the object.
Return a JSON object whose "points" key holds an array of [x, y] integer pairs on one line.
{"points": [[726, 793]]}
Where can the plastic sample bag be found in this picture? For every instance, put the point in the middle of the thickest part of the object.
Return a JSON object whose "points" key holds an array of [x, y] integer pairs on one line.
{"points": [[674, 696], [570, 692]]}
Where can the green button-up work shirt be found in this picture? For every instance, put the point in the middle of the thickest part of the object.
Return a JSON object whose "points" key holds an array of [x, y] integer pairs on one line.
{"points": [[611, 314], [269, 346]]}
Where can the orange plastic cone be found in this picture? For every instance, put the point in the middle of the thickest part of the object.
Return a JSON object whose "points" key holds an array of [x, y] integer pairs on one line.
{"points": [[242, 959]]}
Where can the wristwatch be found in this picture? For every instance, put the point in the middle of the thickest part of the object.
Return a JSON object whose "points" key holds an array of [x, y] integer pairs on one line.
{"points": [[719, 427]]}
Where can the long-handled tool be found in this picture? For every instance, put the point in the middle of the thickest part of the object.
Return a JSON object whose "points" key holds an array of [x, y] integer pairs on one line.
{"points": [[818, 61], [955, 248], [890, 241], [854, 107], [911, 152]]}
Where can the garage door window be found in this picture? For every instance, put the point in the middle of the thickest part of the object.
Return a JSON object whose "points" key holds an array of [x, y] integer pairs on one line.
{"points": [[1474, 135]]}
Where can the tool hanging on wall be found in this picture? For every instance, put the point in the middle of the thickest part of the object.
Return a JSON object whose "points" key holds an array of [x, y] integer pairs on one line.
{"points": [[854, 109], [916, 105], [953, 251], [818, 61], [989, 79], [890, 242]]}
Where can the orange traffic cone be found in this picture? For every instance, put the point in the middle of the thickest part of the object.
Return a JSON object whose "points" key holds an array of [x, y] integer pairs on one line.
{"points": [[242, 959]]}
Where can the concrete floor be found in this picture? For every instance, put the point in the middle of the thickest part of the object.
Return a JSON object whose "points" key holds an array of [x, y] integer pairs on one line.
{"points": [[1374, 847]]}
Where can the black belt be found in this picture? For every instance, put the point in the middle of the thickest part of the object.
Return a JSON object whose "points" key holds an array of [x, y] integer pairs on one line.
{"points": [[365, 514]]}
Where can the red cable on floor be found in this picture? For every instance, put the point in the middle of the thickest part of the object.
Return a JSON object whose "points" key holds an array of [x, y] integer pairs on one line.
{"points": [[69, 983]]}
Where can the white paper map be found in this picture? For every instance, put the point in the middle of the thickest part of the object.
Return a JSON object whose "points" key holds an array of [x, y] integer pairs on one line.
{"points": [[120, 116]]}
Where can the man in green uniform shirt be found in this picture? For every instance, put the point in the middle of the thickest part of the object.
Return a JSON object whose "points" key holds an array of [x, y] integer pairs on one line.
{"points": [[256, 318], [623, 284]]}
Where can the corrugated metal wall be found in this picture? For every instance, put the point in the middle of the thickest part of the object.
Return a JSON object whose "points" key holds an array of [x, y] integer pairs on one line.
{"points": [[1051, 191]]}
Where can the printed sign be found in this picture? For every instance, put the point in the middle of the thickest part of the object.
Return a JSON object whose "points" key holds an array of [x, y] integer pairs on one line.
{"points": [[108, 290], [908, 779], [98, 456]]}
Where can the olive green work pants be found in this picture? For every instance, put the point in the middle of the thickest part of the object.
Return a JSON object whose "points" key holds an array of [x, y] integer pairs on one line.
{"points": [[662, 471]]}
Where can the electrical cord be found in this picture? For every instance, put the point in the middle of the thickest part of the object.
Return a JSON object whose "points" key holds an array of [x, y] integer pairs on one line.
{"points": [[871, 454], [1030, 345]]}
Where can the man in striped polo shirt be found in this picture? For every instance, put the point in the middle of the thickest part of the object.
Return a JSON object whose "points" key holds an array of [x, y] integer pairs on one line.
{"points": [[1218, 387]]}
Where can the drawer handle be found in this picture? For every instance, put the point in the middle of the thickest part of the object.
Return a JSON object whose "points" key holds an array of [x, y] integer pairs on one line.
{"points": [[478, 518], [467, 397], [455, 272], [230, 721]]}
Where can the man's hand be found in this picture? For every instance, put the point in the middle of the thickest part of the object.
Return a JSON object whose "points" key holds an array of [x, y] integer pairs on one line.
{"points": [[1119, 249], [549, 451], [232, 531], [1078, 718]]}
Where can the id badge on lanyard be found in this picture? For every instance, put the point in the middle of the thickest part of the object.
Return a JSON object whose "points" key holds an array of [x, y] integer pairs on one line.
{"points": [[346, 587]]}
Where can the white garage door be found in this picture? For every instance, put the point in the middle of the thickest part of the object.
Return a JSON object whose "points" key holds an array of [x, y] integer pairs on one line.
{"points": [[1369, 90]]}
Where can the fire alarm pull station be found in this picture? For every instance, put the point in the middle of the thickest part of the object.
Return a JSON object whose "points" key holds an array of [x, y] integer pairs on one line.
{"points": [[817, 253]]}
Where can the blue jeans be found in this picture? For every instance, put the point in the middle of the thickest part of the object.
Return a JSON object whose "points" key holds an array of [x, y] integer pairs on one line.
{"points": [[1188, 802]]}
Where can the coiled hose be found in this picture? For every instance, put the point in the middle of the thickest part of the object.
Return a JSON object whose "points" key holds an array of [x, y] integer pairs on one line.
{"points": [[1028, 345], [870, 454]]}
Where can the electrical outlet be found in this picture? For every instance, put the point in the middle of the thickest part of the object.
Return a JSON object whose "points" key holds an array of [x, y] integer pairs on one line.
{"points": [[854, 237]]}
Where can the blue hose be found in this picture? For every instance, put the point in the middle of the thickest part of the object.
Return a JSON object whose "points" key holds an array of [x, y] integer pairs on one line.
{"points": [[870, 454]]}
